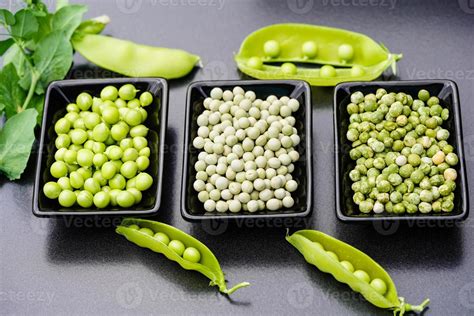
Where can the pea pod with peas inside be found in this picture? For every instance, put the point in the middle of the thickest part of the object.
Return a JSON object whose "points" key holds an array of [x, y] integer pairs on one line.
{"points": [[352, 267], [345, 55], [176, 245], [134, 60]]}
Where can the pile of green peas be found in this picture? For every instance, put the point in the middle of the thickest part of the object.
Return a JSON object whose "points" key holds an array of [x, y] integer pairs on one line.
{"points": [[187, 253], [404, 161], [377, 284], [247, 152], [102, 151]]}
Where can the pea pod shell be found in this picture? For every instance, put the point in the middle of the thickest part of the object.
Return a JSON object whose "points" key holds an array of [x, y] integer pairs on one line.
{"points": [[373, 58], [303, 240], [209, 265], [134, 60]]}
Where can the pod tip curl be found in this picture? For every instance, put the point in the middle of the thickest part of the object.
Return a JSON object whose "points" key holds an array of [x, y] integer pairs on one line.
{"points": [[405, 307], [234, 288]]}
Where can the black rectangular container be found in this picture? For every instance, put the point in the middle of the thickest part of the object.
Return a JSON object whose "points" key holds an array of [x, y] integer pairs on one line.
{"points": [[58, 96], [447, 92], [191, 208]]}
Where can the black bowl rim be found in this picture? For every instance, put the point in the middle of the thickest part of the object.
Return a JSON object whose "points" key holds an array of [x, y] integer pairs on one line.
{"points": [[162, 132], [196, 218], [457, 121]]}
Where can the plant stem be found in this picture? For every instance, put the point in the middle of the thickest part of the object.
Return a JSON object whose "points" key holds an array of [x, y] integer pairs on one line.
{"points": [[236, 287], [31, 91], [34, 76]]}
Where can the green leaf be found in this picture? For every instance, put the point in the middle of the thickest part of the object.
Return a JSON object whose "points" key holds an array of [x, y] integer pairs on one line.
{"points": [[2, 107], [44, 28], [52, 59], [11, 95], [68, 18], [16, 139], [61, 3], [37, 103], [15, 57], [25, 26], [37, 7], [6, 17], [5, 45]]}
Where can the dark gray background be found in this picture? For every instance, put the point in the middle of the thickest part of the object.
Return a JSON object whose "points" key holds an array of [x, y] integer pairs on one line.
{"points": [[52, 267]]}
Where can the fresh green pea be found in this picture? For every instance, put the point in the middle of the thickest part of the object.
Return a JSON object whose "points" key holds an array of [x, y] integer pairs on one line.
{"points": [[51, 190], [67, 198], [161, 237], [109, 93], [177, 247], [146, 98], [101, 199], [143, 181], [289, 68], [327, 71], [127, 92], [84, 101], [129, 169], [192, 254], [125, 199]]}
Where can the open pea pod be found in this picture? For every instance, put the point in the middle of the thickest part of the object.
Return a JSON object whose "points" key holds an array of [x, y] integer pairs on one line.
{"points": [[306, 243], [134, 60], [208, 265], [356, 56]]}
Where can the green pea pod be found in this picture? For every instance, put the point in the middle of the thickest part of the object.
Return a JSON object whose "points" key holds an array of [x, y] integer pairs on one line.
{"points": [[92, 26], [134, 60], [368, 62], [208, 265], [304, 241]]}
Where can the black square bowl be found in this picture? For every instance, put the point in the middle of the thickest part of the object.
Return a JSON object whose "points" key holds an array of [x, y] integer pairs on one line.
{"points": [[191, 208], [58, 95], [447, 92]]}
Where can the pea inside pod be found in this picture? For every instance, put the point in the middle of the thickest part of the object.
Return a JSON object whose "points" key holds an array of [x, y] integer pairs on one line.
{"points": [[134, 60], [176, 245], [352, 267], [344, 55]]}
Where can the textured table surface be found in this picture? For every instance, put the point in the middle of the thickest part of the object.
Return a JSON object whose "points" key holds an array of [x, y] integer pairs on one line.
{"points": [[57, 267]]}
